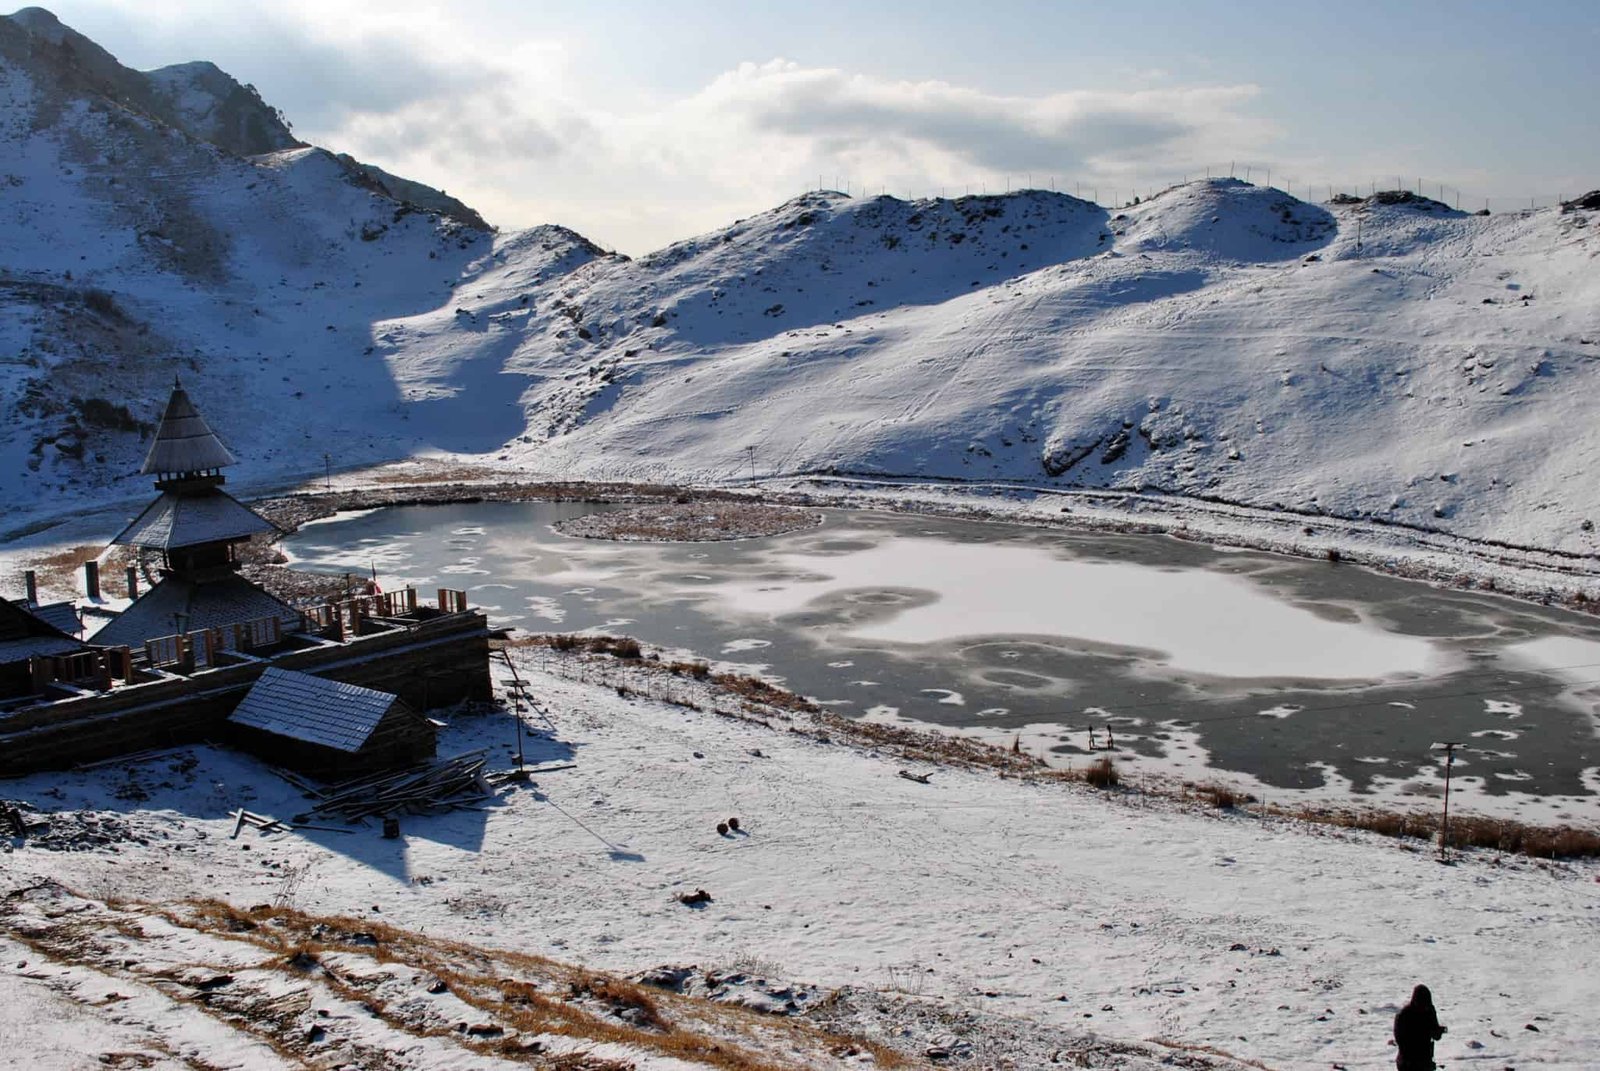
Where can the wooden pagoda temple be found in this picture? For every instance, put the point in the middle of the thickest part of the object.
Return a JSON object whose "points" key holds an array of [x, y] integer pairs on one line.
{"points": [[173, 666]]}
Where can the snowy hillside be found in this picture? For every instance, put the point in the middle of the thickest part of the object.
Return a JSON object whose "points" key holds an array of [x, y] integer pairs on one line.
{"points": [[1394, 360], [135, 249], [1389, 358]]}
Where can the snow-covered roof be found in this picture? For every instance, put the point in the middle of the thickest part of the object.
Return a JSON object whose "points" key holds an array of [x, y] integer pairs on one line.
{"points": [[24, 634], [58, 615], [313, 710], [29, 646], [184, 442], [180, 605], [190, 519]]}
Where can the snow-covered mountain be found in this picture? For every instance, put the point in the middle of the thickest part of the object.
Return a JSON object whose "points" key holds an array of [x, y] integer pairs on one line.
{"points": [[169, 223], [1388, 358]]}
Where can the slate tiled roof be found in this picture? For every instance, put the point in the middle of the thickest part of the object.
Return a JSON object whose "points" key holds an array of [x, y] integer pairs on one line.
{"points": [[313, 710], [212, 604], [184, 442], [26, 647], [58, 615], [187, 520], [18, 622]]}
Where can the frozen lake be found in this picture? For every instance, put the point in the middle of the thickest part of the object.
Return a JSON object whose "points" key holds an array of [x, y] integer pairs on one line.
{"points": [[1289, 674]]}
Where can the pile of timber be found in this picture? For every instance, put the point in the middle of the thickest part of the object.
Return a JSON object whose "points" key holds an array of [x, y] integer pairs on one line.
{"points": [[446, 785]]}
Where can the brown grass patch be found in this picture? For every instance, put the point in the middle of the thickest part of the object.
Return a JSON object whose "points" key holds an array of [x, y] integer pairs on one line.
{"points": [[622, 996], [63, 570], [1224, 797], [756, 690], [1466, 830], [549, 997], [931, 746], [616, 646]]}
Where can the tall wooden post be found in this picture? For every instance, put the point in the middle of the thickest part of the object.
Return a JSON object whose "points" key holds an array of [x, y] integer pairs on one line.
{"points": [[91, 578], [1444, 825]]}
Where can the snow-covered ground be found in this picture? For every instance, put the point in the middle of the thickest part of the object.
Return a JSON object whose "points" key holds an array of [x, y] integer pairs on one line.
{"points": [[1126, 916]]}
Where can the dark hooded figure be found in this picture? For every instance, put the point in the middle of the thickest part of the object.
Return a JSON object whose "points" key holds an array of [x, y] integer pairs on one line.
{"points": [[1416, 1028]]}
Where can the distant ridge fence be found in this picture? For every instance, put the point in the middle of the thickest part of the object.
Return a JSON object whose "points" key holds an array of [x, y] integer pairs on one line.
{"points": [[1120, 193]]}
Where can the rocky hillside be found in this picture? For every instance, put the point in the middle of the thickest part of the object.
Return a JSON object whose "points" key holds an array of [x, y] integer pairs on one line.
{"points": [[169, 223]]}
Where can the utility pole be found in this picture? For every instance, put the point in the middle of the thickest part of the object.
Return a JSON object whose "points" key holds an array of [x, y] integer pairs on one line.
{"points": [[752, 450], [1444, 825], [327, 472]]}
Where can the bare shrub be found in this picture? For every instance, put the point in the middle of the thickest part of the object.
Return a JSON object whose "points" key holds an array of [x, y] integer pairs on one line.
{"points": [[1102, 773], [102, 302]]}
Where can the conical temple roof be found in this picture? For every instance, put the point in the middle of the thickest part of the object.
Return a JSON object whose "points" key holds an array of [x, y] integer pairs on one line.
{"points": [[184, 442]]}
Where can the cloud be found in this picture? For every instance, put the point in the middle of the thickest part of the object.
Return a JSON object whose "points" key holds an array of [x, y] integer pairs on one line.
{"points": [[513, 121], [524, 151], [1064, 131]]}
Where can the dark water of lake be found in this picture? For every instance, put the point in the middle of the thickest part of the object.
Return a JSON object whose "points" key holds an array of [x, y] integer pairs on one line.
{"points": [[1297, 674]]}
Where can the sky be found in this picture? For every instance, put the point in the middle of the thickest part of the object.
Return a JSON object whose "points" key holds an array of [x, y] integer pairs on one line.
{"points": [[638, 124]]}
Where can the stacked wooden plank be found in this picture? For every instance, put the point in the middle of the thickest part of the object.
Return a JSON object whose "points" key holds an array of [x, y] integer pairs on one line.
{"points": [[267, 825], [437, 786]]}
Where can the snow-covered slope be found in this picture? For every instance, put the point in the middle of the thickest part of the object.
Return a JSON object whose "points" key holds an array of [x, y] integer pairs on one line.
{"points": [[1401, 361], [1389, 358]]}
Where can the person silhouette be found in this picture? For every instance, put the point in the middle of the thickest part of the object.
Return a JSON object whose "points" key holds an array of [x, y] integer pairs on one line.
{"points": [[1416, 1028]]}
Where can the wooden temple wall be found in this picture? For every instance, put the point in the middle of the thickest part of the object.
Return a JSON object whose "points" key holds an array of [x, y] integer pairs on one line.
{"points": [[434, 663]]}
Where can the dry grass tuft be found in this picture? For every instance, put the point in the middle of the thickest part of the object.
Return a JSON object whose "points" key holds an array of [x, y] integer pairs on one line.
{"points": [[624, 997], [1221, 796], [1102, 773]]}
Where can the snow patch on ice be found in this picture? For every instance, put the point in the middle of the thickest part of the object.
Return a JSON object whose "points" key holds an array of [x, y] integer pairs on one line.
{"points": [[736, 646], [1196, 620]]}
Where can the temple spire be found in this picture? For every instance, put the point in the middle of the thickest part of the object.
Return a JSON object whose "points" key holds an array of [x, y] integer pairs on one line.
{"points": [[184, 444]]}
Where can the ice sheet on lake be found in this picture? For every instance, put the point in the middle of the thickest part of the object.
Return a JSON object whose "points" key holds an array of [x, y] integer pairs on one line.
{"points": [[1203, 621], [1570, 658]]}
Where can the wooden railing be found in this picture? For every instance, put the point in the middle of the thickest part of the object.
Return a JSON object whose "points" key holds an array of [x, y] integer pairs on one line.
{"points": [[88, 669], [342, 619], [202, 647]]}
